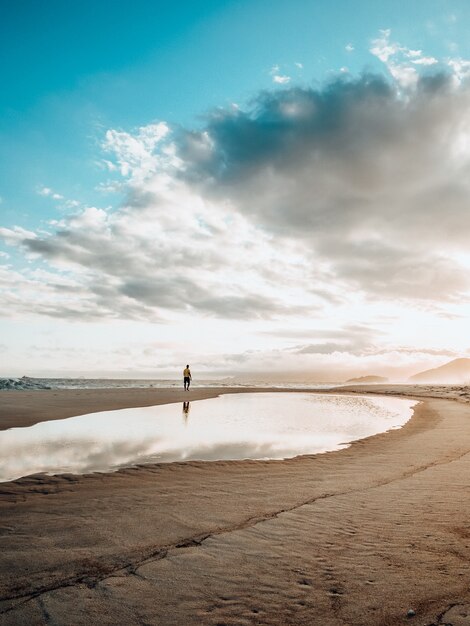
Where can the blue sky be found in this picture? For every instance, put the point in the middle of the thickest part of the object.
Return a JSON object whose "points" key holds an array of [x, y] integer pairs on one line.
{"points": [[73, 72]]}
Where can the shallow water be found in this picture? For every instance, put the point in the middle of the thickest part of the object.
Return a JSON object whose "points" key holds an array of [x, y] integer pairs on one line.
{"points": [[234, 426]]}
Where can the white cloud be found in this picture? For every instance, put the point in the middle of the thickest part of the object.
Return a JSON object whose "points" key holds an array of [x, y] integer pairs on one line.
{"points": [[46, 191], [16, 235], [382, 47], [169, 250], [71, 204], [349, 47], [460, 68], [65, 203], [112, 167], [135, 153], [400, 60], [425, 61], [281, 79], [404, 75]]}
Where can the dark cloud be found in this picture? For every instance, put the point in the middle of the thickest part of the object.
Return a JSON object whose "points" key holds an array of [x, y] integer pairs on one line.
{"points": [[357, 339], [371, 180], [383, 270], [178, 293], [283, 128], [127, 277], [356, 330]]}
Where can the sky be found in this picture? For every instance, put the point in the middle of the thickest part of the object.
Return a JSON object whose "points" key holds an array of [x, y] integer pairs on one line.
{"points": [[274, 189]]}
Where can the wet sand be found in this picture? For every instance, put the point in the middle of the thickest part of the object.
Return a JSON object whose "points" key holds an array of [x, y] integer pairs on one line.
{"points": [[354, 537]]}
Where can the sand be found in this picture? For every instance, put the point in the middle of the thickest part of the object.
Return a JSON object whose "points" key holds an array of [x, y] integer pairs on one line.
{"points": [[354, 537]]}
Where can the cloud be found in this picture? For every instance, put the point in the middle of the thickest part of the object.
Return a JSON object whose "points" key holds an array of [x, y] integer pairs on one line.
{"points": [[280, 79], [383, 48], [297, 204], [349, 47], [425, 61], [135, 154], [324, 333], [355, 173], [48, 192], [460, 69], [167, 251], [401, 61], [405, 74], [354, 339]]}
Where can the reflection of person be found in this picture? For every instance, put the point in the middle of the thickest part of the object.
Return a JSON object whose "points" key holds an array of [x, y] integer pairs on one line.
{"points": [[187, 378], [186, 406]]}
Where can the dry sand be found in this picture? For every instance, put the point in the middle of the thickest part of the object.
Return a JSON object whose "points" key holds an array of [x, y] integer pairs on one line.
{"points": [[354, 537]]}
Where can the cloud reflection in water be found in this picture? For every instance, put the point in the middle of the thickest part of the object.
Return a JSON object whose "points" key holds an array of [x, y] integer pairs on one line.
{"points": [[238, 426]]}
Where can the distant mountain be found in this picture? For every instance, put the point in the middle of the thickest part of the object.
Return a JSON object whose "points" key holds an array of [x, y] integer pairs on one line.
{"points": [[456, 371], [368, 379]]}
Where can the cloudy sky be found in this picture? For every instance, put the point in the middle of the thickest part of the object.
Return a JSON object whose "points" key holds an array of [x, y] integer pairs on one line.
{"points": [[272, 188]]}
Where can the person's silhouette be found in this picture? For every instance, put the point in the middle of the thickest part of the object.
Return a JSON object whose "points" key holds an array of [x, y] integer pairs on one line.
{"points": [[186, 378], [186, 406]]}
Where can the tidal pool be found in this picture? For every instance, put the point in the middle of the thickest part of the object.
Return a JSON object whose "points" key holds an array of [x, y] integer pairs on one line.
{"points": [[233, 426]]}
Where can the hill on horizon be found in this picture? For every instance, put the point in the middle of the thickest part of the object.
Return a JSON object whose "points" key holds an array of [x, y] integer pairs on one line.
{"points": [[456, 371]]}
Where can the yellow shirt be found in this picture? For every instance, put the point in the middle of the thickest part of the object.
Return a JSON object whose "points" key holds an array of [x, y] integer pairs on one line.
{"points": [[187, 373]]}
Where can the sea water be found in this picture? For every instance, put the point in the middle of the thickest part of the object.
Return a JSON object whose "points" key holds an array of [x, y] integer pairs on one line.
{"points": [[27, 383], [261, 425]]}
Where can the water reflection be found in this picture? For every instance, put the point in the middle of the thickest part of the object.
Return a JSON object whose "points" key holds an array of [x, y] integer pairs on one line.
{"points": [[186, 408], [237, 426]]}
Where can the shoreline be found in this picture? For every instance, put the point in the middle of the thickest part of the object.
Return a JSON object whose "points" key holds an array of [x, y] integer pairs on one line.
{"points": [[26, 408], [274, 537]]}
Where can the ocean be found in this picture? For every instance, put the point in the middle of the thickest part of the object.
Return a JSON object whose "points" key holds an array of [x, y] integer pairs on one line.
{"points": [[29, 383]]}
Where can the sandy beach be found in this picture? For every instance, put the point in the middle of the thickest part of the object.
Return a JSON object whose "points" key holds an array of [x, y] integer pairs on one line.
{"points": [[360, 536]]}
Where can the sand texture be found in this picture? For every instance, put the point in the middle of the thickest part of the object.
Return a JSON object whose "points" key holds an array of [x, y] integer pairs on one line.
{"points": [[355, 537]]}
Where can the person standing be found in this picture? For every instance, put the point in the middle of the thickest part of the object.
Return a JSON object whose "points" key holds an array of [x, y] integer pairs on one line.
{"points": [[187, 378]]}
